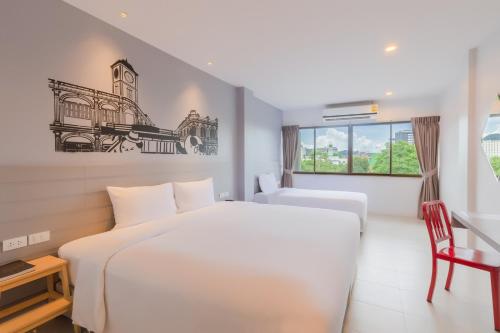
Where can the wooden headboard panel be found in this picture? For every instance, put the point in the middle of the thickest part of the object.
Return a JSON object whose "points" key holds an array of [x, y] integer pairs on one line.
{"points": [[72, 202]]}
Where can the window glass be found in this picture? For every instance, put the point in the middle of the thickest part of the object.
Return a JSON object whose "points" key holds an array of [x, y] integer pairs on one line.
{"points": [[404, 153], [305, 161], [371, 149], [332, 149], [490, 141]]}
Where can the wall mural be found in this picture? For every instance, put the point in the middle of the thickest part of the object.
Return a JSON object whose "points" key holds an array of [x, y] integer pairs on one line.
{"points": [[89, 120]]}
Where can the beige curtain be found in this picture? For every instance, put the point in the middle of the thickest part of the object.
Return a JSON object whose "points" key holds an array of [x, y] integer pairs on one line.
{"points": [[426, 134], [290, 144]]}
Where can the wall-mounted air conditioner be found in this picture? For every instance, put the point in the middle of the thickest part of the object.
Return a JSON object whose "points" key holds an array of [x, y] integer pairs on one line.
{"points": [[363, 111]]}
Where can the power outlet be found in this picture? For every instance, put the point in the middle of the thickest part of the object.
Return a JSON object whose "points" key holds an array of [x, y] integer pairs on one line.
{"points": [[40, 237], [14, 243], [223, 195]]}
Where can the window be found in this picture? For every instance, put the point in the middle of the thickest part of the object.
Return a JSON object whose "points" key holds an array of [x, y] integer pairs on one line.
{"points": [[404, 153], [331, 149], [490, 141], [365, 149], [306, 150], [371, 149]]}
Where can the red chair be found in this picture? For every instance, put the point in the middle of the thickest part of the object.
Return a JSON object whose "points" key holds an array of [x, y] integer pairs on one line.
{"points": [[434, 214]]}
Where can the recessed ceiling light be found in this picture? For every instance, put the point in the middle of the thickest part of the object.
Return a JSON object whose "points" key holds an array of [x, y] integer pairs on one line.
{"points": [[210, 63], [391, 48], [389, 93], [123, 14]]}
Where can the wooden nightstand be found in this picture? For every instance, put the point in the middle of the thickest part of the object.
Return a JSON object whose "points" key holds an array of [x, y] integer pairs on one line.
{"points": [[57, 304]]}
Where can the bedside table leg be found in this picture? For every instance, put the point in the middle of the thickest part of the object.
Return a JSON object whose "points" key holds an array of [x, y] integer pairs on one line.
{"points": [[50, 286], [65, 283]]}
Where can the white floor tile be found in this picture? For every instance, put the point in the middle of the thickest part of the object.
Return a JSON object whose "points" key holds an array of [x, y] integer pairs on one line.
{"points": [[378, 294], [366, 318], [394, 269]]}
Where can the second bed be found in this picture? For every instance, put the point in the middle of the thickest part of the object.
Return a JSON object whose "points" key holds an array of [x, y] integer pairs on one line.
{"points": [[354, 202]]}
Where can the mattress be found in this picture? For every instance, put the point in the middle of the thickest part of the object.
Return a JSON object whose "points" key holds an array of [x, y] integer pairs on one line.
{"points": [[231, 267], [354, 202]]}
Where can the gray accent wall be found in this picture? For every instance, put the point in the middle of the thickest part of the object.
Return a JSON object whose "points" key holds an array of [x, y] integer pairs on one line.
{"points": [[41, 189], [260, 124]]}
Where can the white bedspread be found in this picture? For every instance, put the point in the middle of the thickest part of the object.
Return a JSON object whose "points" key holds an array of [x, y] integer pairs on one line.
{"points": [[232, 267], [355, 202]]}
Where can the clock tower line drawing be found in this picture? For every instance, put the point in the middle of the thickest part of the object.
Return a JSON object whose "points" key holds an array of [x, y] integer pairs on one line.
{"points": [[90, 120]]}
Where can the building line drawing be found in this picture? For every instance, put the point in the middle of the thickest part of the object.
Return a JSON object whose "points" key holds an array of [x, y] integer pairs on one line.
{"points": [[90, 120]]}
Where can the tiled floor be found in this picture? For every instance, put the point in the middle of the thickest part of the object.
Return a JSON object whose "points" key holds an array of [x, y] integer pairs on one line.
{"points": [[391, 286]]}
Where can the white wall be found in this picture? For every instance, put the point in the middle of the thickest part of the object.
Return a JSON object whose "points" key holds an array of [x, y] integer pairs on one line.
{"points": [[389, 110], [487, 86], [386, 195], [454, 143], [465, 108]]}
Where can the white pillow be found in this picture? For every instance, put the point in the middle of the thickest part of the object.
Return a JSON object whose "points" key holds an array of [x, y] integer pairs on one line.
{"points": [[194, 195], [134, 205], [268, 183]]}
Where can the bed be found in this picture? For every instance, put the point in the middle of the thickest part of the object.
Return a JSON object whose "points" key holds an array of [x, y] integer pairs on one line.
{"points": [[229, 267], [354, 202]]}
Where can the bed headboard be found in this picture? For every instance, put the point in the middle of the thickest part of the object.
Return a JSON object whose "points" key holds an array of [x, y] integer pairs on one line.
{"points": [[72, 202]]}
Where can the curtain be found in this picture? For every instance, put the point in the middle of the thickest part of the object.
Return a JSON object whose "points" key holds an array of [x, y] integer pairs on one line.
{"points": [[290, 145], [426, 135]]}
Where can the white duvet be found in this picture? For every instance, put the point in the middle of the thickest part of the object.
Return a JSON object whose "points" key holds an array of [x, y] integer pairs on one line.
{"points": [[232, 267], [355, 202]]}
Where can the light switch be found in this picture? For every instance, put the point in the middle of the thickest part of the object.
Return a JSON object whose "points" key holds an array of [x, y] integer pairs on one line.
{"points": [[40, 237]]}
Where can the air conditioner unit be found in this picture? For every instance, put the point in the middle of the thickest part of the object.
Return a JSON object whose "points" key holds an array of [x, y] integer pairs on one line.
{"points": [[363, 111]]}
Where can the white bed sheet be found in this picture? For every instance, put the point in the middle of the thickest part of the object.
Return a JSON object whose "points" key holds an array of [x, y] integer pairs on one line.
{"points": [[355, 202], [231, 267]]}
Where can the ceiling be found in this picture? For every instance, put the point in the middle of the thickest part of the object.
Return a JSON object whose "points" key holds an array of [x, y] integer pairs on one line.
{"points": [[301, 54]]}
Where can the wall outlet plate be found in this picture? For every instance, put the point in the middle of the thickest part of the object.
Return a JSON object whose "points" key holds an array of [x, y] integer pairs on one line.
{"points": [[223, 195], [39, 237], [14, 243]]}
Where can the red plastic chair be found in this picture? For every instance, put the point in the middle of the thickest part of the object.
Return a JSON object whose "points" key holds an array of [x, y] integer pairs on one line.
{"points": [[439, 228]]}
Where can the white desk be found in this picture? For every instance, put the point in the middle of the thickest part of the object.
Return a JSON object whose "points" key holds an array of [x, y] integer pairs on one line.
{"points": [[485, 226]]}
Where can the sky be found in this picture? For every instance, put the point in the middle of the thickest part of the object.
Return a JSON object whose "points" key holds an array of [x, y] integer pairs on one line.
{"points": [[492, 125], [365, 138]]}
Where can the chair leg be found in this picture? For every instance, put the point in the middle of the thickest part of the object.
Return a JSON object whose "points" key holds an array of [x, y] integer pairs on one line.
{"points": [[433, 280], [450, 276], [495, 294]]}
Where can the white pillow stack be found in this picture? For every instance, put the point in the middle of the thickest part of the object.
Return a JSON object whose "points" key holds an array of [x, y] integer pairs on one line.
{"points": [[194, 195], [134, 205], [268, 183]]}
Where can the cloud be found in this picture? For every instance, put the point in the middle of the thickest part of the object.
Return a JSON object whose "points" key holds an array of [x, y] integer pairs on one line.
{"points": [[362, 143], [333, 137], [340, 139]]}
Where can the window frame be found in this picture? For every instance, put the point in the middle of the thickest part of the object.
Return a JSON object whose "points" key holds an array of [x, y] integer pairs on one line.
{"points": [[350, 152]]}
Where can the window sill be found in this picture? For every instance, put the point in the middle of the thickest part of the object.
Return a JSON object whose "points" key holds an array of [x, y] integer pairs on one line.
{"points": [[356, 174]]}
